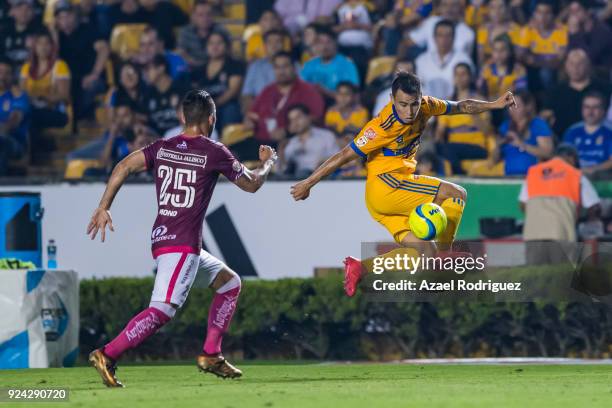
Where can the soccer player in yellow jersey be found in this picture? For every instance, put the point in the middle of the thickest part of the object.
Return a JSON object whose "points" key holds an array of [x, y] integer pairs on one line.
{"points": [[389, 142]]}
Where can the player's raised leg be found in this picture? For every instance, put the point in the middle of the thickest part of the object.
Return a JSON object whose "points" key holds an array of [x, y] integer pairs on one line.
{"points": [[226, 284]]}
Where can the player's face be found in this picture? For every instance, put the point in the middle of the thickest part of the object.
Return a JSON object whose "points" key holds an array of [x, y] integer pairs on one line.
{"points": [[406, 105], [274, 44], [283, 70], [593, 111], [500, 52], [544, 15]]}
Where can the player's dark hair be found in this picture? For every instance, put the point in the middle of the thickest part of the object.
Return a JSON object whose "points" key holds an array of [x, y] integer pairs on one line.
{"points": [[445, 23], [346, 84], [327, 31], [505, 38], [300, 107], [282, 54], [407, 82], [599, 95], [161, 61], [268, 34], [197, 106]]}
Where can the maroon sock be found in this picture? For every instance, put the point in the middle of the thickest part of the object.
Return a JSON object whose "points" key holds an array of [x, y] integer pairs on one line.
{"points": [[142, 326], [219, 317]]}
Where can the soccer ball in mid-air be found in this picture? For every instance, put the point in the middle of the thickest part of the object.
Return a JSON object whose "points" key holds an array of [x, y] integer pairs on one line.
{"points": [[427, 221]]}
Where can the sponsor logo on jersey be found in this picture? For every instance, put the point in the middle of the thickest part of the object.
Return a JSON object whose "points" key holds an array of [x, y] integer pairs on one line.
{"points": [[182, 145], [189, 159], [236, 166], [361, 141], [159, 234], [168, 213], [369, 133]]}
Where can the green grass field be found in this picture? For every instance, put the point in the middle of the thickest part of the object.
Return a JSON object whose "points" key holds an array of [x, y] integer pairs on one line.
{"points": [[331, 385]]}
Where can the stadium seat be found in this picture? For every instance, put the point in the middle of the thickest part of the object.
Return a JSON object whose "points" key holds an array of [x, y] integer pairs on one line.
{"points": [[76, 168], [235, 11], [125, 39], [185, 5], [233, 134], [491, 145], [480, 168], [378, 67]]}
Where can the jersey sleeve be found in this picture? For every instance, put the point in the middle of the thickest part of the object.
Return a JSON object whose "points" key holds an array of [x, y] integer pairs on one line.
{"points": [[150, 152], [61, 70], [437, 106], [372, 137], [228, 165]]}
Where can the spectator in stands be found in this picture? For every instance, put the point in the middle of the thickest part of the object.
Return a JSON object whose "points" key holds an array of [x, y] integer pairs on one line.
{"points": [[354, 33], [163, 96], [330, 68], [592, 137], [452, 10], [347, 113], [590, 34], [94, 16], [46, 80], [16, 37], [308, 46], [551, 196], [542, 46], [119, 147], [192, 38], [222, 77], [384, 96], [130, 91], [255, 44], [309, 146], [435, 67], [297, 14], [499, 23], [165, 17], [125, 12], [123, 120], [268, 113], [562, 106], [463, 137], [13, 111], [260, 73], [406, 14], [526, 138], [86, 54], [501, 74], [151, 45]]}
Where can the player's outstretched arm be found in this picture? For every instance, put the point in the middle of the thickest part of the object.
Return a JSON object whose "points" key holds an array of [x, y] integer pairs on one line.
{"points": [[301, 190], [101, 217], [252, 180], [473, 106]]}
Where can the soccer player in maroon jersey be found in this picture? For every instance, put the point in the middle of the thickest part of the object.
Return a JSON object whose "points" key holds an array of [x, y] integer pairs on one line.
{"points": [[186, 169]]}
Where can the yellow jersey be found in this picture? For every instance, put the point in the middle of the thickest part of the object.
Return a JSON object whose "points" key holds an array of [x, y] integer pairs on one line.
{"points": [[487, 33], [544, 48], [335, 121], [43, 86], [495, 83], [389, 144]]}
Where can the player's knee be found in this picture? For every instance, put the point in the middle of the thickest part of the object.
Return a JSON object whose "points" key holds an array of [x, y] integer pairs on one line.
{"points": [[166, 308], [450, 190], [228, 280]]}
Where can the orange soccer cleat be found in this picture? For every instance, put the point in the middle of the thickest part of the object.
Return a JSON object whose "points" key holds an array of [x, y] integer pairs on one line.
{"points": [[105, 367], [218, 366]]}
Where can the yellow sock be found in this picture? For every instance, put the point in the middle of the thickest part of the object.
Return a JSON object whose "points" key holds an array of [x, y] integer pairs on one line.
{"points": [[453, 207]]}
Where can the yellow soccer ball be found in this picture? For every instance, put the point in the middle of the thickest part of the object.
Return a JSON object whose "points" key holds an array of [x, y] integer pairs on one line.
{"points": [[427, 221]]}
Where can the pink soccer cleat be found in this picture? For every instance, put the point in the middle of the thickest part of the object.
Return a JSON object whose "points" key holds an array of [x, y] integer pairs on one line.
{"points": [[353, 272]]}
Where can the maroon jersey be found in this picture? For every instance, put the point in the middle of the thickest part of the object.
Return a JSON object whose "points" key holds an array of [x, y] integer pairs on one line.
{"points": [[186, 170]]}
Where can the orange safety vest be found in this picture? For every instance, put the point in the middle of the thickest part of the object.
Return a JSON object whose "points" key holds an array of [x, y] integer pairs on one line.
{"points": [[554, 178]]}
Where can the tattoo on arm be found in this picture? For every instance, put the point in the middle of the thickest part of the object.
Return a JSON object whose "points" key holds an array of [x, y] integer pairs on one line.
{"points": [[469, 106]]}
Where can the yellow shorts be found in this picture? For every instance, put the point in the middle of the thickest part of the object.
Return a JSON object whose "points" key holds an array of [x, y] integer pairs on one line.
{"points": [[390, 197]]}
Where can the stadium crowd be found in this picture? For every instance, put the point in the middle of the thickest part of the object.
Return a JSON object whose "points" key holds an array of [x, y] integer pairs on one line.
{"points": [[85, 82]]}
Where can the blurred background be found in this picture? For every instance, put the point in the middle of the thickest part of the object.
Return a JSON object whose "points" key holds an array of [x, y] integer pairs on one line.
{"points": [[85, 82]]}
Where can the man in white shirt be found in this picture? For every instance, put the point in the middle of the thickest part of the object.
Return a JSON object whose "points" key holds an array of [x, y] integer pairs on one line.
{"points": [[309, 146], [453, 10], [436, 66]]}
